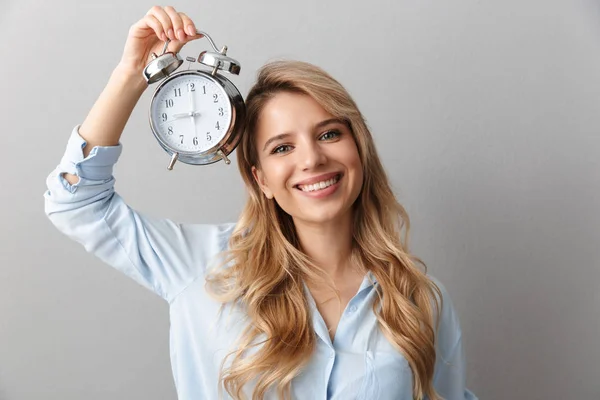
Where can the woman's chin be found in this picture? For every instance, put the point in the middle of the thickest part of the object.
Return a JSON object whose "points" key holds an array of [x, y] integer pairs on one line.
{"points": [[321, 216]]}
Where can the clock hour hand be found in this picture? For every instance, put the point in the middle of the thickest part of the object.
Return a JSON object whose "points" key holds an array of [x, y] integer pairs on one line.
{"points": [[186, 115]]}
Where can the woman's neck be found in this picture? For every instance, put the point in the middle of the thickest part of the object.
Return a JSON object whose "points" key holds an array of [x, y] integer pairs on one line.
{"points": [[329, 244]]}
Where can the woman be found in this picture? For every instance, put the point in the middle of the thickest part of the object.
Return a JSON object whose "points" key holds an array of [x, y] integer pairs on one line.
{"points": [[313, 293]]}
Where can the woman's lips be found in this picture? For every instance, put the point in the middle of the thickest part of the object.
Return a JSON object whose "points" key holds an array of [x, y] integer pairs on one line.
{"points": [[320, 193]]}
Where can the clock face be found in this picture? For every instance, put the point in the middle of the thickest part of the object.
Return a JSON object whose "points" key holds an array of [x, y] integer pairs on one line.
{"points": [[190, 112]]}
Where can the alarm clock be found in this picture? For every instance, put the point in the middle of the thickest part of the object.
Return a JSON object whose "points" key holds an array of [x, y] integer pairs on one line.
{"points": [[197, 116]]}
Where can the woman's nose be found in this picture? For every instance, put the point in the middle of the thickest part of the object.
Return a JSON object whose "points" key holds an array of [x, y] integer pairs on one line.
{"points": [[312, 156]]}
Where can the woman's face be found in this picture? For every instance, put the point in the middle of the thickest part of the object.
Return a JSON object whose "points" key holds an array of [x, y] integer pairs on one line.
{"points": [[309, 161]]}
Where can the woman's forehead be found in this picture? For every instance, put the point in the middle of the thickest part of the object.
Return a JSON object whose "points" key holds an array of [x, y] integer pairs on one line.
{"points": [[289, 113]]}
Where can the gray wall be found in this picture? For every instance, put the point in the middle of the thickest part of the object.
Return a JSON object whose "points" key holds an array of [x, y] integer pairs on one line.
{"points": [[486, 115]]}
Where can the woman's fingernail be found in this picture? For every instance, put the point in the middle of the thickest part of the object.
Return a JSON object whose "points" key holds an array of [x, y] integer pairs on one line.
{"points": [[191, 31], [171, 34]]}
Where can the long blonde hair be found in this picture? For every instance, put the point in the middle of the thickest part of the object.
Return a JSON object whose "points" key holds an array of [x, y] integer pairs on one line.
{"points": [[266, 269]]}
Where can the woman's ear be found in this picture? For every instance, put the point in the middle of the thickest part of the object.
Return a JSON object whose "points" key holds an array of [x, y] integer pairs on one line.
{"points": [[260, 178]]}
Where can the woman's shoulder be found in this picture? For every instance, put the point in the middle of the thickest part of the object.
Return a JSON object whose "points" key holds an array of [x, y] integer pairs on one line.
{"points": [[443, 292], [217, 235], [448, 330]]}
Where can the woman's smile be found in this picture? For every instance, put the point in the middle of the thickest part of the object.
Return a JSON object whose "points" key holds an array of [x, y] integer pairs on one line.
{"points": [[320, 186]]}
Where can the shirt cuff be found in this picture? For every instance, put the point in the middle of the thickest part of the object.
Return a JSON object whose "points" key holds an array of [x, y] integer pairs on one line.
{"points": [[97, 166]]}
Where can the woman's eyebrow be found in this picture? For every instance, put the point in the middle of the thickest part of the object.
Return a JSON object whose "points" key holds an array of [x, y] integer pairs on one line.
{"points": [[330, 121], [317, 126], [275, 138]]}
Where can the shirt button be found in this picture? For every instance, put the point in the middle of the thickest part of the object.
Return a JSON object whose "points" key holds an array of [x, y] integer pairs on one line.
{"points": [[332, 355], [352, 309]]}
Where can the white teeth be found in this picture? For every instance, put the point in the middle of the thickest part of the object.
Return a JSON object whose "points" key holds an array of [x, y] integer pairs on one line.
{"points": [[319, 185]]}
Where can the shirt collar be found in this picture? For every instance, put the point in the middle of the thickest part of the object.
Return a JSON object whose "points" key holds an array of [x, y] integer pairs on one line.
{"points": [[368, 281]]}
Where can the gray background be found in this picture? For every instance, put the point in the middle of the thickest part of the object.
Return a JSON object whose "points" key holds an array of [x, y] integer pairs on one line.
{"points": [[486, 115]]}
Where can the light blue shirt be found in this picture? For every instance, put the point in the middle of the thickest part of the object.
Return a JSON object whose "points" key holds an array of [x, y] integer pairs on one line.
{"points": [[171, 259]]}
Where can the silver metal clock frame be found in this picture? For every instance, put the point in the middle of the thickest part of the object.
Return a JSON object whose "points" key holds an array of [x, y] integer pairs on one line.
{"points": [[162, 68], [231, 138]]}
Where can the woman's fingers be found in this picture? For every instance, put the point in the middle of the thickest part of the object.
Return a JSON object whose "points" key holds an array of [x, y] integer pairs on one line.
{"points": [[161, 15], [159, 24], [176, 26], [176, 23], [156, 26], [188, 24]]}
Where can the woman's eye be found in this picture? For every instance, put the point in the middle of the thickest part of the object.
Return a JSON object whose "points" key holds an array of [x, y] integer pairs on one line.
{"points": [[330, 135], [280, 149]]}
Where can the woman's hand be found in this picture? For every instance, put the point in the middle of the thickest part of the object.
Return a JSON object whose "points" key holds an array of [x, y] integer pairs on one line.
{"points": [[148, 35]]}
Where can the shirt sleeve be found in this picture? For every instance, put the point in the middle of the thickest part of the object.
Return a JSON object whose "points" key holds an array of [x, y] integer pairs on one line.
{"points": [[449, 379], [161, 255]]}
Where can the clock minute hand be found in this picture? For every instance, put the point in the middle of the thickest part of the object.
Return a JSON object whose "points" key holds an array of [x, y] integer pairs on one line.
{"points": [[191, 113]]}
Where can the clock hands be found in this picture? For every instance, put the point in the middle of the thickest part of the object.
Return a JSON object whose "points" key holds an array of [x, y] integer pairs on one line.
{"points": [[192, 112], [185, 115]]}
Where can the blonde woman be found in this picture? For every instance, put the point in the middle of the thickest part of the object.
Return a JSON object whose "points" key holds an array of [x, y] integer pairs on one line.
{"points": [[313, 293]]}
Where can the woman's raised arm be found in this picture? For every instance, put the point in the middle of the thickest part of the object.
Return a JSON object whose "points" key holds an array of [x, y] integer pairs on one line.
{"points": [[107, 118], [81, 201]]}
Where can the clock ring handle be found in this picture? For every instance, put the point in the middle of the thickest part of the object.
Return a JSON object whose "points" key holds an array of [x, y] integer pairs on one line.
{"points": [[199, 32], [207, 36]]}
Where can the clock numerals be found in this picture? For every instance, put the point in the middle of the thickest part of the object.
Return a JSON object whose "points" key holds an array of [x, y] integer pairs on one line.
{"points": [[191, 115], [195, 140]]}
